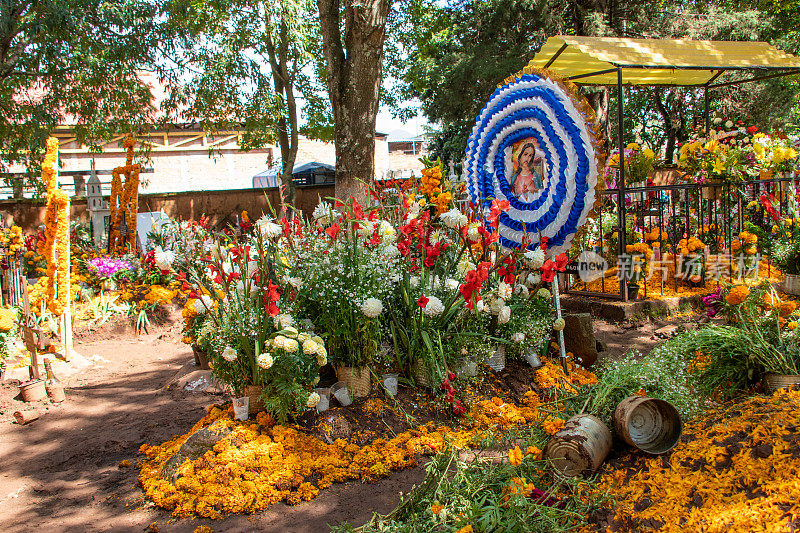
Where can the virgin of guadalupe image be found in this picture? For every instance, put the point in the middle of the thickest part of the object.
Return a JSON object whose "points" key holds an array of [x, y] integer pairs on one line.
{"points": [[526, 179]]}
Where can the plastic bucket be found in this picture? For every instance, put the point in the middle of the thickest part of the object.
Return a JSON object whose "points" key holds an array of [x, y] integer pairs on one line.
{"points": [[580, 447], [466, 367], [241, 408], [497, 361], [774, 382], [390, 383], [56, 393], [533, 359], [33, 391], [340, 392], [324, 399], [651, 425]]}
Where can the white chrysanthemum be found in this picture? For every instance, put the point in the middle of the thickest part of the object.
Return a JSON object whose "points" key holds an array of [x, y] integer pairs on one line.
{"points": [[544, 293], [472, 232], [203, 304], [291, 346], [290, 331], [496, 305], [504, 290], [504, 315], [729, 124], [313, 400], [164, 258], [264, 361], [283, 321], [294, 282], [533, 279], [434, 307], [717, 120], [435, 236], [372, 307], [480, 306], [279, 342], [268, 228], [325, 212], [452, 219], [517, 337], [559, 324], [310, 347], [229, 354], [413, 211], [451, 284], [413, 281], [535, 258], [322, 358]]}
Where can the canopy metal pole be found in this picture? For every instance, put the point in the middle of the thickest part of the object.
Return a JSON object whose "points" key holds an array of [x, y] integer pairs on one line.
{"points": [[706, 107], [621, 181]]}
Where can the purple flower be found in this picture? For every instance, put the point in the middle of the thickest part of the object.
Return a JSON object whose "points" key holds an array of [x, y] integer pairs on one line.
{"points": [[713, 302], [108, 266]]}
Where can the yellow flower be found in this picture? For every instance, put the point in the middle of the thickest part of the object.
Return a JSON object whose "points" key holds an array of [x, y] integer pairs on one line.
{"points": [[737, 295], [633, 146], [515, 456]]}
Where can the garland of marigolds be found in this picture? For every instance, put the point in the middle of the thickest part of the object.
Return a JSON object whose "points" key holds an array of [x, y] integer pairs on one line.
{"points": [[128, 200], [56, 222]]}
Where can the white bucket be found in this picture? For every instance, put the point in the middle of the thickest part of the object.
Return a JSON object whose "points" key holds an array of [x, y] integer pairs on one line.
{"points": [[466, 367], [324, 399], [390, 384], [241, 408], [340, 392], [533, 359]]}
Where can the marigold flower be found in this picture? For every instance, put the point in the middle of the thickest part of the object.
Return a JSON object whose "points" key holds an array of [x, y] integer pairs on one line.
{"points": [[737, 295]]}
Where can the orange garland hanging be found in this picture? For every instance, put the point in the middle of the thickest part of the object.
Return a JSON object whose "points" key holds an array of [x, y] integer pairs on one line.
{"points": [[127, 195], [56, 222]]}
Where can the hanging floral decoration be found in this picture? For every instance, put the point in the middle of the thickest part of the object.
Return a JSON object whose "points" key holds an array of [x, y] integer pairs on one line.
{"points": [[124, 200], [56, 220]]}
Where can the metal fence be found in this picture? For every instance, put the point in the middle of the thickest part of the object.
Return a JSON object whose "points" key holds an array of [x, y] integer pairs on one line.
{"points": [[715, 212]]}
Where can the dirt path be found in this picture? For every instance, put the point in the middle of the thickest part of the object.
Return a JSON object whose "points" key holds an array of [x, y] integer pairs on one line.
{"points": [[62, 473]]}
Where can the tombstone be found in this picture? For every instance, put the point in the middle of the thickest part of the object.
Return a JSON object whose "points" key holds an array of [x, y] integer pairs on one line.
{"points": [[98, 210], [148, 222]]}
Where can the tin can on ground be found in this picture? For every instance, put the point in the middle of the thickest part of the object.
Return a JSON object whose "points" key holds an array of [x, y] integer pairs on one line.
{"points": [[651, 425], [580, 447]]}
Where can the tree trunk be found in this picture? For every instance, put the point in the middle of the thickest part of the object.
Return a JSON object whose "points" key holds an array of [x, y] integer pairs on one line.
{"points": [[670, 124], [354, 61], [599, 102]]}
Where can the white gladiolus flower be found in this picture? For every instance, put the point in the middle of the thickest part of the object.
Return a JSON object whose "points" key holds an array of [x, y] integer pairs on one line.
{"points": [[505, 290], [229, 354], [390, 251], [413, 281], [559, 324], [413, 210], [518, 337], [372, 307], [535, 258], [203, 304], [164, 258], [504, 315], [729, 124], [364, 228], [434, 307], [264, 361], [451, 284], [387, 231], [543, 293], [464, 267], [313, 400], [480, 306]]}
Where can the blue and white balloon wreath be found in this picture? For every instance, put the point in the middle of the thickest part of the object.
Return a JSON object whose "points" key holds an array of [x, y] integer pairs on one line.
{"points": [[535, 113]]}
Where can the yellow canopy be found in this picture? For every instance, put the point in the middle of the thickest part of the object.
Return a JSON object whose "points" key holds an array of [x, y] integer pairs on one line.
{"points": [[655, 61]]}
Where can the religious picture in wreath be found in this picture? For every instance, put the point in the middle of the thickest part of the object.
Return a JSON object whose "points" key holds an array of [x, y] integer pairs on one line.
{"points": [[527, 176]]}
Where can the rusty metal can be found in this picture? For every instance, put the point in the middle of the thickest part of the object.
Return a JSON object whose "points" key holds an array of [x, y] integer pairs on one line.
{"points": [[651, 425], [580, 447]]}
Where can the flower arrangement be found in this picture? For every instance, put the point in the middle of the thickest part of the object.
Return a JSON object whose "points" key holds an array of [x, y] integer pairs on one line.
{"points": [[640, 253], [123, 202], [638, 164], [692, 255], [108, 267], [775, 153]]}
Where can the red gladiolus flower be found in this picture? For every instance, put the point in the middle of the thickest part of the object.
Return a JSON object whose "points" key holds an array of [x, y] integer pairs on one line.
{"points": [[751, 130], [333, 231], [548, 271], [543, 243], [273, 295], [423, 301], [451, 375], [561, 262]]}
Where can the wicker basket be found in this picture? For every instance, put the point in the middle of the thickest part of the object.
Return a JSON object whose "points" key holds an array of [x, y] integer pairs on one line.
{"points": [[256, 404], [774, 382], [357, 379], [420, 372]]}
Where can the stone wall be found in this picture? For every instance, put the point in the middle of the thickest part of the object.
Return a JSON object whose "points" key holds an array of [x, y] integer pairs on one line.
{"points": [[219, 205]]}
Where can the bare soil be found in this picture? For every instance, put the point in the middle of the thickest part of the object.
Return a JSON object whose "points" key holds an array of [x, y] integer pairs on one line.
{"points": [[63, 471]]}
